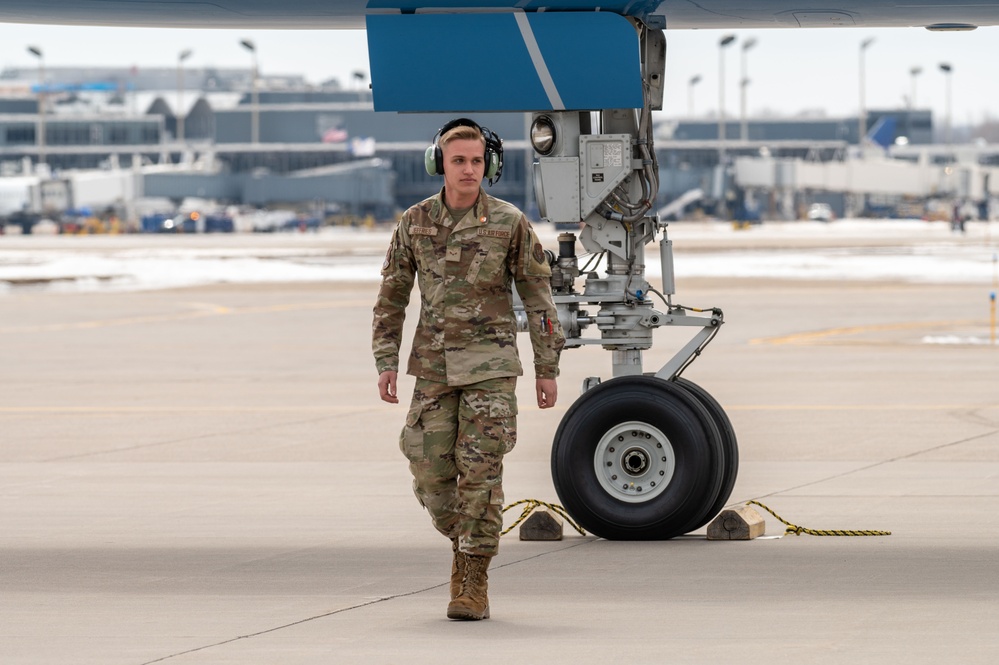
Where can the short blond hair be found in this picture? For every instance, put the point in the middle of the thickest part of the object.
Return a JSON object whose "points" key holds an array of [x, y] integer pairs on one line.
{"points": [[462, 132]]}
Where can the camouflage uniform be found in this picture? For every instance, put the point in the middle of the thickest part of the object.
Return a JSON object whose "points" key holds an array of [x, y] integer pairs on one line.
{"points": [[463, 415]]}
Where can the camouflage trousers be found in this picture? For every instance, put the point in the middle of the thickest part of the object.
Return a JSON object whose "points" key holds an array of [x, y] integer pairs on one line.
{"points": [[455, 438]]}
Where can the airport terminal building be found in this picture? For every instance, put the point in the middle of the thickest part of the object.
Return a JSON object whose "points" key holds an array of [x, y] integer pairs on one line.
{"points": [[290, 145]]}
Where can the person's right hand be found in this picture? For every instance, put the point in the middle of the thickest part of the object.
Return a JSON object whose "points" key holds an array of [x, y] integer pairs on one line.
{"points": [[387, 387]]}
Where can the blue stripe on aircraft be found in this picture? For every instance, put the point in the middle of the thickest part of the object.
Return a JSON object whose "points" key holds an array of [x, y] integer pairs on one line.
{"points": [[593, 59], [486, 62]]}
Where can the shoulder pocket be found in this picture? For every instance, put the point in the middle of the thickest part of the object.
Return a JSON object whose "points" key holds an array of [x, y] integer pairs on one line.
{"points": [[535, 259]]}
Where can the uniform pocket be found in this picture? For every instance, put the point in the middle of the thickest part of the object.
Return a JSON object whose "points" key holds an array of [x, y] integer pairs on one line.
{"points": [[503, 405], [489, 259], [493, 421], [496, 497], [474, 266], [413, 417], [411, 439], [427, 258], [535, 260]]}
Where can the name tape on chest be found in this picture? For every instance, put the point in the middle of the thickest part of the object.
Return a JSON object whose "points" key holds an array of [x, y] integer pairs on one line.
{"points": [[423, 230], [495, 233]]}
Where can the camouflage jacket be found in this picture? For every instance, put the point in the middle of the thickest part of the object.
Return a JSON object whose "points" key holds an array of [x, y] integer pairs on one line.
{"points": [[467, 329]]}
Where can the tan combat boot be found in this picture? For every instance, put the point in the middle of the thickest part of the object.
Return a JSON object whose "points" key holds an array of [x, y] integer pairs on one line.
{"points": [[457, 569], [472, 603]]}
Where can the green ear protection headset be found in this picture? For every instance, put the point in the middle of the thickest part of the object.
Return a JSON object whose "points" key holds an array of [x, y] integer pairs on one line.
{"points": [[434, 157]]}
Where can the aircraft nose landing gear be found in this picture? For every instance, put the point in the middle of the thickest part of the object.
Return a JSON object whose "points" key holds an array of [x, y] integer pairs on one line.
{"points": [[639, 456]]}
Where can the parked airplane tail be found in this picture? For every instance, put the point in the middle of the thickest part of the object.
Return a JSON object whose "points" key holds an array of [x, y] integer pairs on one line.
{"points": [[882, 133]]}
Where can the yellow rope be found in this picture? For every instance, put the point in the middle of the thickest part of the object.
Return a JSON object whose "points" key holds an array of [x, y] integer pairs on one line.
{"points": [[798, 530], [532, 504]]}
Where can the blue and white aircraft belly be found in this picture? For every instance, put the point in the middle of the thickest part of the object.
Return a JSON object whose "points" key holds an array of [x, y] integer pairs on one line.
{"points": [[643, 455], [352, 14]]}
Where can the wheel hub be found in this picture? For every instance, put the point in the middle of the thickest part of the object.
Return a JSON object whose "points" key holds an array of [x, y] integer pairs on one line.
{"points": [[634, 462]]}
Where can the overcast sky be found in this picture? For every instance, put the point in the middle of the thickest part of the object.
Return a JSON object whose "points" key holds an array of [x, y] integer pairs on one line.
{"points": [[791, 71]]}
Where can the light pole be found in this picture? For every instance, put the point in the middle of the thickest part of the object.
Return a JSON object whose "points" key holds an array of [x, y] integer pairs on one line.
{"points": [[255, 109], [40, 139], [914, 72], [694, 80], [743, 84], [947, 69], [184, 55], [862, 128], [722, 43], [359, 77]]}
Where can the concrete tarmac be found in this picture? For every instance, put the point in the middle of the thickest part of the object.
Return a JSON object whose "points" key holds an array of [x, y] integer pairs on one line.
{"points": [[206, 475]]}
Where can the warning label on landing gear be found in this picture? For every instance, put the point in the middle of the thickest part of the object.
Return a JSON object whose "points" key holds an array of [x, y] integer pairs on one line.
{"points": [[613, 154]]}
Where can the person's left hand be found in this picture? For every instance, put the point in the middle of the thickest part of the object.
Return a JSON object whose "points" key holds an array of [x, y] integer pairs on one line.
{"points": [[547, 390]]}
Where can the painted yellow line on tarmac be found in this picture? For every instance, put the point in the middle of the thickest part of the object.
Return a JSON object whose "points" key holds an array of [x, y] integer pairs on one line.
{"points": [[204, 310], [859, 407], [820, 335], [184, 409], [209, 307]]}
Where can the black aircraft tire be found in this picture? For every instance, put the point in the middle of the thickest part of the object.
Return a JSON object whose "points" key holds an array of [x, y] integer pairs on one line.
{"points": [[638, 458], [730, 446]]}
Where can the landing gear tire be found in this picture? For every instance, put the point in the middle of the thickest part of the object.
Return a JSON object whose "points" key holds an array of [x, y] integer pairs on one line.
{"points": [[730, 447], [639, 458]]}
